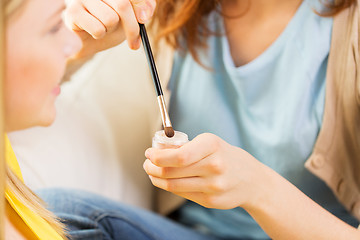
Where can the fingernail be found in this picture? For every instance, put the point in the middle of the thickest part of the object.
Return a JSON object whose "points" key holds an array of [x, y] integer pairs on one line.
{"points": [[135, 44], [144, 16], [147, 153], [138, 43]]}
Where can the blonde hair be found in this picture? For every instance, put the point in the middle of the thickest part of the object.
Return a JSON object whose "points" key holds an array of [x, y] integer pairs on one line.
{"points": [[11, 5], [13, 183], [2, 143]]}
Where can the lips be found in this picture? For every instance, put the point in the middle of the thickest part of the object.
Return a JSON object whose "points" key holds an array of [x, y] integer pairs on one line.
{"points": [[56, 91]]}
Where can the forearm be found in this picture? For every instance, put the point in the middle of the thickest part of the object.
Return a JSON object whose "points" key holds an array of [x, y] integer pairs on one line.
{"points": [[284, 212], [228, 177]]}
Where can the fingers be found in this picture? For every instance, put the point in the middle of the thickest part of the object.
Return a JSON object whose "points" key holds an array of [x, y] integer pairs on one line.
{"points": [[203, 177], [144, 9], [78, 18], [125, 11], [101, 17], [193, 184], [104, 14], [172, 172], [209, 200], [194, 151], [209, 192], [206, 168]]}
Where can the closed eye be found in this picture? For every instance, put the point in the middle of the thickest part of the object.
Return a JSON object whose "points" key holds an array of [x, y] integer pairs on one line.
{"points": [[56, 27]]}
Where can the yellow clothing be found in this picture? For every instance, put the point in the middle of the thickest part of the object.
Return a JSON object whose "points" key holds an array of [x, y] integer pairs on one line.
{"points": [[37, 224]]}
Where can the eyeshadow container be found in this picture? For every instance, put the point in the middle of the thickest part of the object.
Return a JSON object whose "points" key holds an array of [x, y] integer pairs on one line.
{"points": [[160, 140]]}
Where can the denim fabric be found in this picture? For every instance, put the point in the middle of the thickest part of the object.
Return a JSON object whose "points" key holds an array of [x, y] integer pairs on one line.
{"points": [[89, 216]]}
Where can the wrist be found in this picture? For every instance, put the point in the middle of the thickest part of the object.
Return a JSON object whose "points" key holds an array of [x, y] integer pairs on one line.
{"points": [[264, 183]]}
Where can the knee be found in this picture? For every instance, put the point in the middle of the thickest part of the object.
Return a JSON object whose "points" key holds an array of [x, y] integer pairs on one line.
{"points": [[67, 201]]}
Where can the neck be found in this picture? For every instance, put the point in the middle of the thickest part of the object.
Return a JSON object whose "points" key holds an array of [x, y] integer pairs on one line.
{"points": [[251, 26], [257, 9]]}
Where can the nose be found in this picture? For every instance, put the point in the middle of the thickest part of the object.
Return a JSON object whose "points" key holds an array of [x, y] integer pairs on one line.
{"points": [[73, 44]]}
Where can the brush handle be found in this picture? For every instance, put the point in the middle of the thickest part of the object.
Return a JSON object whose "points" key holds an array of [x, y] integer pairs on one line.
{"points": [[150, 58]]}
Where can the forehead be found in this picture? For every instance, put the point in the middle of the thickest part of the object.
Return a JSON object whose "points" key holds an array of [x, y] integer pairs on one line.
{"points": [[35, 12]]}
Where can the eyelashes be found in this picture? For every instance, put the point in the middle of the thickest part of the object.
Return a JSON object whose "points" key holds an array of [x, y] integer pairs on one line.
{"points": [[56, 27]]}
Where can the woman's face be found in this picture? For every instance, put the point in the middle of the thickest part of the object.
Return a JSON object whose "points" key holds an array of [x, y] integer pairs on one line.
{"points": [[38, 45]]}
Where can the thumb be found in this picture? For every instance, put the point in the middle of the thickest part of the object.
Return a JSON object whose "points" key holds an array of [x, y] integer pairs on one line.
{"points": [[144, 9]]}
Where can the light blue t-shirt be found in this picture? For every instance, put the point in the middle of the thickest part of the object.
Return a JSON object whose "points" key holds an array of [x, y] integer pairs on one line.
{"points": [[272, 107]]}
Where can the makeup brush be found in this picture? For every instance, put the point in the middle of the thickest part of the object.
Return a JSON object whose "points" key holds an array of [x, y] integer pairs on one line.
{"points": [[169, 131]]}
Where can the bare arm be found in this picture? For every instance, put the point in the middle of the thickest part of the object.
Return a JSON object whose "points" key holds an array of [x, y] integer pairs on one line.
{"points": [[211, 172], [284, 212]]}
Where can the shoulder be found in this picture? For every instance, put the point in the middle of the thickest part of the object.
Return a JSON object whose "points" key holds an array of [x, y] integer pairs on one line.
{"points": [[314, 32]]}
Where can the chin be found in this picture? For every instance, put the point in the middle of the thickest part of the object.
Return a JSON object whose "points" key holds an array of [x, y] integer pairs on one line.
{"points": [[23, 126], [46, 122], [21, 122], [45, 119]]}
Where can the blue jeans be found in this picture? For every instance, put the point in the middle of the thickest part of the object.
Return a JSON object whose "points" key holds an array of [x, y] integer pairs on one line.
{"points": [[89, 216]]}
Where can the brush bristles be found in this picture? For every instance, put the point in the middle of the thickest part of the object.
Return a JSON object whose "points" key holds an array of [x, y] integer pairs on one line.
{"points": [[169, 132]]}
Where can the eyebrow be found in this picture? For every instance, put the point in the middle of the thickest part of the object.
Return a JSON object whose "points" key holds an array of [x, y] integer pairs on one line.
{"points": [[57, 12]]}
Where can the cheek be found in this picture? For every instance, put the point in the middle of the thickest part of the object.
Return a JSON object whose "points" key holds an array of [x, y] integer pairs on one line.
{"points": [[29, 85], [27, 77], [36, 69]]}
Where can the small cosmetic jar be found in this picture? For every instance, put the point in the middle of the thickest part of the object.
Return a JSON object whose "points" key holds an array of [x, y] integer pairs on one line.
{"points": [[161, 141]]}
